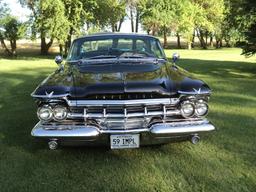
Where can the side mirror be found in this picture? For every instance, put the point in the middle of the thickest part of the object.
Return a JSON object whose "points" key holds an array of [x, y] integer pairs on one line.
{"points": [[58, 59], [175, 57]]}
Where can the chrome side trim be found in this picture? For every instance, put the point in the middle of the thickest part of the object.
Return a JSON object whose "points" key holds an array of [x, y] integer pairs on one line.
{"points": [[163, 101]]}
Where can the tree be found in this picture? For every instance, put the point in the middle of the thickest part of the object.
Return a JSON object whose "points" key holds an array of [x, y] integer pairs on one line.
{"points": [[210, 14], [77, 12], [162, 21], [108, 13], [150, 18], [135, 9], [48, 19], [10, 29], [51, 23], [166, 16], [249, 49], [13, 30], [4, 10], [187, 22]]}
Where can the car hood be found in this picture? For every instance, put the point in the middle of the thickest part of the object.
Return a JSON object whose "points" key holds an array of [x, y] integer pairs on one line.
{"points": [[82, 80]]}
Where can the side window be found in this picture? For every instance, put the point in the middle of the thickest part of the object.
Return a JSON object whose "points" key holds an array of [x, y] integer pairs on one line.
{"points": [[141, 46], [156, 49]]}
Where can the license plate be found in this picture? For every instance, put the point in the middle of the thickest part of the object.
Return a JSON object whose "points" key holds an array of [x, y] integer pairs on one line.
{"points": [[124, 141]]}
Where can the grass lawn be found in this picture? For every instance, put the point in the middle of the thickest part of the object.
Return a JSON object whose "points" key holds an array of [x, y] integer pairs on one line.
{"points": [[225, 161]]}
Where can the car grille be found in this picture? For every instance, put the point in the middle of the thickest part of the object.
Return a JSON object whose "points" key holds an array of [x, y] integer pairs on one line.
{"points": [[123, 116]]}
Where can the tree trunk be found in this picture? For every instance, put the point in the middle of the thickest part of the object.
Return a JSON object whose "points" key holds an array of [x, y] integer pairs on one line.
{"points": [[113, 27], [206, 38], [211, 40], [45, 46], [193, 40], [189, 45], [69, 40], [137, 21], [217, 43], [61, 49], [178, 41], [227, 43], [132, 23], [153, 32], [13, 47], [165, 38], [120, 24], [9, 53], [201, 38]]}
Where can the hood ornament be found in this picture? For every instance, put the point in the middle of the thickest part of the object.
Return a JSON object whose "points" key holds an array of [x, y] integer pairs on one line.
{"points": [[197, 91], [49, 94]]}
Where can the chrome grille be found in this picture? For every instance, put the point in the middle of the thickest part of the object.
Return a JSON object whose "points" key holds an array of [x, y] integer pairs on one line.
{"points": [[124, 111], [123, 114]]}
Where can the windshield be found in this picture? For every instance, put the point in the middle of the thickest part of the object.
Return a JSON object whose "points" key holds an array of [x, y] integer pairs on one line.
{"points": [[104, 47]]}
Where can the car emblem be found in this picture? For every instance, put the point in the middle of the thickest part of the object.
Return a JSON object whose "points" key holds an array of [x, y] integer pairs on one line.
{"points": [[197, 91], [49, 94]]}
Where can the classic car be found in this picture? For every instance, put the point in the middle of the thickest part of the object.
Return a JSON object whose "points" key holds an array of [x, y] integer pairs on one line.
{"points": [[121, 91]]}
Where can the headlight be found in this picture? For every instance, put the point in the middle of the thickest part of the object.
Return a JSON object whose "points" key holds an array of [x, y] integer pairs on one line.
{"points": [[60, 113], [201, 108], [187, 109], [45, 113]]}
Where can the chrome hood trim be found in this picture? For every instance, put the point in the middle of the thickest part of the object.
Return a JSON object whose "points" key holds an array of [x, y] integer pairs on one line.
{"points": [[163, 101]]}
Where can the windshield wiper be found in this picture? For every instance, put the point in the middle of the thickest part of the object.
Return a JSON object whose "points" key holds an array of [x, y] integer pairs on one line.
{"points": [[102, 57]]}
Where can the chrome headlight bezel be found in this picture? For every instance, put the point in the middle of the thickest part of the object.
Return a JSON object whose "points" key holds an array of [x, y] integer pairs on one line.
{"points": [[45, 108], [57, 109], [187, 104], [201, 104]]}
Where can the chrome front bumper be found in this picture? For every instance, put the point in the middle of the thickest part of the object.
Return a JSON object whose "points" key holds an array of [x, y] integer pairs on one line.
{"points": [[156, 134]]}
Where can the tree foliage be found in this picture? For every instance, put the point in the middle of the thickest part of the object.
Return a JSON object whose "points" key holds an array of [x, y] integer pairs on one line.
{"points": [[249, 49], [229, 20], [108, 13], [11, 29]]}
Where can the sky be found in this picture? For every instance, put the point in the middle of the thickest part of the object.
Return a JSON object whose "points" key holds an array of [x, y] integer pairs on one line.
{"points": [[17, 10], [23, 13]]}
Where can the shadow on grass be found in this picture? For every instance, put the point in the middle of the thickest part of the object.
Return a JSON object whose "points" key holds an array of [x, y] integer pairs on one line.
{"points": [[29, 56], [223, 69], [165, 168]]}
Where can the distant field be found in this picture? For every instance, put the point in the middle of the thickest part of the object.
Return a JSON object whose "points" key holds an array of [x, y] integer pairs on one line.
{"points": [[26, 46], [225, 161]]}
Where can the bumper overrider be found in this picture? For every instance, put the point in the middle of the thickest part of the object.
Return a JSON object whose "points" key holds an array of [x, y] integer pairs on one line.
{"points": [[158, 133]]}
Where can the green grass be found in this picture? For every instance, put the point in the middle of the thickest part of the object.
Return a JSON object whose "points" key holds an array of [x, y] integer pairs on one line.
{"points": [[225, 161]]}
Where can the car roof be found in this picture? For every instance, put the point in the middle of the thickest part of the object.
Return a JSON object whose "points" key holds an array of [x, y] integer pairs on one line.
{"points": [[115, 34]]}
